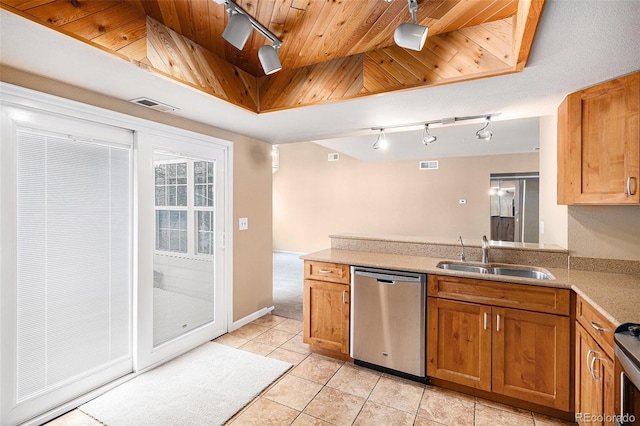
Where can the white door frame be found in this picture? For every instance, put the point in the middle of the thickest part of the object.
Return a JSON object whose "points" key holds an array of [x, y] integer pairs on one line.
{"points": [[32, 99], [146, 355]]}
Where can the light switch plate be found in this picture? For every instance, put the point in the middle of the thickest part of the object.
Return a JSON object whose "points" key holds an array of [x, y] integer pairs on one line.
{"points": [[243, 223]]}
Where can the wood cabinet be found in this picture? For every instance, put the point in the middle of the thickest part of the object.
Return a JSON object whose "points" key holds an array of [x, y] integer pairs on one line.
{"points": [[326, 306], [599, 144], [595, 387], [509, 339]]}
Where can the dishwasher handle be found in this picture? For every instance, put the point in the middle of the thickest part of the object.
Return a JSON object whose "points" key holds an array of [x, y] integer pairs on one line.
{"points": [[389, 279]]}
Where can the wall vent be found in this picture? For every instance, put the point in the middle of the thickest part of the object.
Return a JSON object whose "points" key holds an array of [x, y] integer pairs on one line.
{"points": [[334, 156], [428, 165], [150, 103]]}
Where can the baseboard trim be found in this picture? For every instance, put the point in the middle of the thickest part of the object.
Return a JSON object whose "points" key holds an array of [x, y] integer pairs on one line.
{"points": [[251, 317], [290, 252]]}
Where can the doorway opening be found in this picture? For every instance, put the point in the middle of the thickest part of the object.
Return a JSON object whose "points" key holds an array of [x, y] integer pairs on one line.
{"points": [[515, 207]]}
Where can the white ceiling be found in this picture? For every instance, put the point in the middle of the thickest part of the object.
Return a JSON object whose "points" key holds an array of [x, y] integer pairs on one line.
{"points": [[578, 43]]}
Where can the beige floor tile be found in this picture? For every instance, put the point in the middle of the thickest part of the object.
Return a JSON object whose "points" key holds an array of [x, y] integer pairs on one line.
{"points": [[504, 407], [291, 357], [249, 331], [426, 422], [355, 380], [401, 394], [374, 413], [74, 418], [542, 420], [257, 348], [296, 344], [268, 320], [307, 420], [449, 408], [290, 326], [294, 392], [489, 416], [230, 340], [317, 368], [266, 412], [274, 337], [336, 407]]}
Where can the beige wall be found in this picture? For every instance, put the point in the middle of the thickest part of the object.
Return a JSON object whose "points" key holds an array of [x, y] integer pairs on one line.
{"points": [[552, 216], [314, 198], [606, 232], [252, 258]]}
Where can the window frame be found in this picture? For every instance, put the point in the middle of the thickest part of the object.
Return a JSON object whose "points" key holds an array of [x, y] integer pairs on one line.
{"points": [[191, 210]]}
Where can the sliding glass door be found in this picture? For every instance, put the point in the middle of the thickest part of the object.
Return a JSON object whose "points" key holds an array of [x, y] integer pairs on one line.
{"points": [[66, 267], [182, 252]]}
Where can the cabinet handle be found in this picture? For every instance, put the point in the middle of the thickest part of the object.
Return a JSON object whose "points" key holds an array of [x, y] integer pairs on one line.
{"points": [[622, 393], [592, 367], [324, 271], [629, 191], [596, 326], [485, 320], [497, 322], [344, 297], [588, 361]]}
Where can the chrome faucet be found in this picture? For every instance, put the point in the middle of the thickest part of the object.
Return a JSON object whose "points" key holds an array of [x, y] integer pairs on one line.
{"points": [[462, 252], [485, 249]]}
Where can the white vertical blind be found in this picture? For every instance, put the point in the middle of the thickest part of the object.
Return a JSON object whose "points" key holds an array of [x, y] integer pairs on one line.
{"points": [[73, 259]]}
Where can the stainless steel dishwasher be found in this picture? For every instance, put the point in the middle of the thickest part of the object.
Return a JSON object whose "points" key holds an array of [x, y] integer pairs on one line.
{"points": [[388, 326]]}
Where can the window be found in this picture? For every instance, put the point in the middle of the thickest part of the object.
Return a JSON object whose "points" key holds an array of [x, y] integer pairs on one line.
{"points": [[185, 202]]}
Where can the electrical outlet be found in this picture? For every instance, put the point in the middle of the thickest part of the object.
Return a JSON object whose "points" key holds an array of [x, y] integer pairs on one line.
{"points": [[243, 223]]}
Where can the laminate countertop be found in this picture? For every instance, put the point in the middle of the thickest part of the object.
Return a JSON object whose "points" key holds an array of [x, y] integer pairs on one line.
{"points": [[614, 295]]}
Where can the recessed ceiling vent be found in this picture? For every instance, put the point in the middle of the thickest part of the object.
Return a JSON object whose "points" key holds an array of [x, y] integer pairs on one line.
{"points": [[334, 156], [428, 165], [150, 103]]}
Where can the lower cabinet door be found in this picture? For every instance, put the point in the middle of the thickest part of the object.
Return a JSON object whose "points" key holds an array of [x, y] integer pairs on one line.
{"points": [[531, 357], [326, 315], [459, 348], [594, 382]]}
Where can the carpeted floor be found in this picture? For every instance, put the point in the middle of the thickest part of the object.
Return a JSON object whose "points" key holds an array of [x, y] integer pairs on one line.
{"points": [[288, 280]]}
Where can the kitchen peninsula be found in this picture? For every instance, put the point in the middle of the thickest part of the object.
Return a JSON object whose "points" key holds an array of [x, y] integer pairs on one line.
{"points": [[538, 318]]}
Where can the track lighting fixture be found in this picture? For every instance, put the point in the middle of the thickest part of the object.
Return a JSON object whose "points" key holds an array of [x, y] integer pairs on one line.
{"points": [[411, 35], [427, 137], [269, 59], [486, 132], [381, 141], [239, 29]]}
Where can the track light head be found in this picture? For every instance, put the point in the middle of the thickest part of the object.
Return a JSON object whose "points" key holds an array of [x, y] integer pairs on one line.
{"points": [[486, 132], [381, 141], [238, 29], [269, 59], [427, 137], [410, 36]]}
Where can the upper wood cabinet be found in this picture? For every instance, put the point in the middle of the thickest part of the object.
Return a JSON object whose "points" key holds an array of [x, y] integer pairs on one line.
{"points": [[599, 144]]}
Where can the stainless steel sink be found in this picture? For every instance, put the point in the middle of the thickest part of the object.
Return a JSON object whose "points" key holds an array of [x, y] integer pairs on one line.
{"points": [[463, 267], [497, 269]]}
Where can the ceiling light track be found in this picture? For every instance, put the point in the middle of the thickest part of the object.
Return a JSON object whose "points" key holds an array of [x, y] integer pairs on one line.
{"points": [[239, 29], [485, 133]]}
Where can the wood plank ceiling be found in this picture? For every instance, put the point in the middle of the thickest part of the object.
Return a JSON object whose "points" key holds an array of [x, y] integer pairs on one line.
{"points": [[332, 49]]}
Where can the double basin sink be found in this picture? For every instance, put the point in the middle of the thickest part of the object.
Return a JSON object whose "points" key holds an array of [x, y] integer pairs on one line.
{"points": [[497, 269]]}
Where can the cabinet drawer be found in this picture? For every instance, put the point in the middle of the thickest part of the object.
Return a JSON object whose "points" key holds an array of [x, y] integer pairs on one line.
{"points": [[528, 297], [323, 271], [595, 324]]}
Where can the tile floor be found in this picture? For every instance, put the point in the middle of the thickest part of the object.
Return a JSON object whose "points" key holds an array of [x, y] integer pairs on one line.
{"points": [[319, 390]]}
